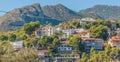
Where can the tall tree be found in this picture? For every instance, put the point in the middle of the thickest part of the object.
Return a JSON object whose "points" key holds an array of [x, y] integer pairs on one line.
{"points": [[99, 32], [11, 37], [76, 42], [3, 37], [31, 42], [29, 28]]}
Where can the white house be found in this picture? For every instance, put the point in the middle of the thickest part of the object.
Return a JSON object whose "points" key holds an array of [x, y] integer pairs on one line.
{"points": [[43, 55], [83, 34], [47, 31], [64, 47], [79, 30], [84, 20], [68, 32], [17, 45], [58, 29], [42, 52]]}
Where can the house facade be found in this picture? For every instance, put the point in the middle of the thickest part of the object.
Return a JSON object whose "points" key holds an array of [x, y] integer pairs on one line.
{"points": [[84, 20], [68, 32], [66, 59], [47, 31], [114, 41], [64, 47], [17, 45], [66, 53], [42, 52], [43, 55], [79, 30], [83, 34], [95, 43]]}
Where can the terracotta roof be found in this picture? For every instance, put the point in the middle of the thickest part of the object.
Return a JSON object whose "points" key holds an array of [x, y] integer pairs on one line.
{"points": [[42, 50], [115, 38], [112, 20], [92, 39], [118, 28]]}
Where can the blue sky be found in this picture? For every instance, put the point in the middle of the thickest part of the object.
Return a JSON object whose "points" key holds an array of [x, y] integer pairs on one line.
{"points": [[76, 5]]}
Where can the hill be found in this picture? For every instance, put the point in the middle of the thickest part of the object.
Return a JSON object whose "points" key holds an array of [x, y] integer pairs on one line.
{"points": [[16, 18], [103, 11], [53, 14], [60, 12]]}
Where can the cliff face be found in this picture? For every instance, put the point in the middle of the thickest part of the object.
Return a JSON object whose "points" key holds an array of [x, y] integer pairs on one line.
{"points": [[16, 18], [104, 11], [60, 12], [53, 14]]}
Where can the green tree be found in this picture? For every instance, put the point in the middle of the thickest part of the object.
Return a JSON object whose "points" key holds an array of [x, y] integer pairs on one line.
{"points": [[71, 24], [31, 42], [50, 49], [29, 28], [24, 55], [3, 37], [99, 32], [85, 26], [107, 50], [11, 37], [20, 35], [56, 42], [44, 41], [76, 42], [83, 58], [114, 53]]}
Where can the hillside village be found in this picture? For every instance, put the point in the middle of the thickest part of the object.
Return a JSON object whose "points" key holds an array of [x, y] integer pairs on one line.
{"points": [[60, 44], [60, 31]]}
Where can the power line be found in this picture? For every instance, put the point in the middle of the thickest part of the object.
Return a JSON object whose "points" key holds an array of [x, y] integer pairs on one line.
{"points": [[3, 11]]}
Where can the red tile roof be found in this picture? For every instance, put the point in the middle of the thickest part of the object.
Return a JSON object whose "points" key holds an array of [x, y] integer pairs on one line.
{"points": [[42, 51], [115, 38], [112, 20], [87, 39]]}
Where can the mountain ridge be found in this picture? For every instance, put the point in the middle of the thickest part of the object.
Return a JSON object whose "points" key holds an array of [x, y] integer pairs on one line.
{"points": [[104, 11], [54, 14], [16, 18], [60, 12]]}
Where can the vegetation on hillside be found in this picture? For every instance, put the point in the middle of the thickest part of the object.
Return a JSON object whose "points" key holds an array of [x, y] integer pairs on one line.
{"points": [[108, 55], [103, 11], [52, 42]]}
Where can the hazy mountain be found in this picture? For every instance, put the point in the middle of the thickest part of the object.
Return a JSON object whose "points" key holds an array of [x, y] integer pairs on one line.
{"points": [[104, 11], [15, 18], [60, 12]]}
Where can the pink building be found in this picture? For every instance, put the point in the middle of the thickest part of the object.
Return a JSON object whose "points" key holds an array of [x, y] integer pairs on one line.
{"points": [[114, 41]]}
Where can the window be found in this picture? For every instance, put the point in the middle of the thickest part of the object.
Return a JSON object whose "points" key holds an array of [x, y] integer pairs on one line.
{"points": [[58, 49], [70, 48]]}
